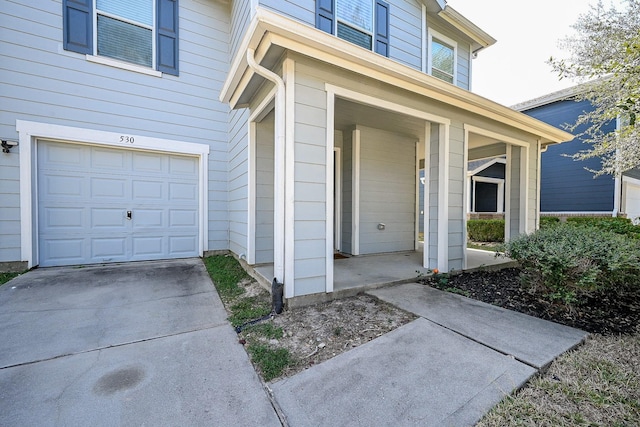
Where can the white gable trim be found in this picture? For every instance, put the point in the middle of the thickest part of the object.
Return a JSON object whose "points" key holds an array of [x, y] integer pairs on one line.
{"points": [[31, 132]]}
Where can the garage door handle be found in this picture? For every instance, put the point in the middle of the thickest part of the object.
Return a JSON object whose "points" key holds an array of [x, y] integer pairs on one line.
{"points": [[128, 214]]}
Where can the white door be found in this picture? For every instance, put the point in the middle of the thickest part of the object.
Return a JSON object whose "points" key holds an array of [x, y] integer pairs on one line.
{"points": [[100, 205], [632, 202]]}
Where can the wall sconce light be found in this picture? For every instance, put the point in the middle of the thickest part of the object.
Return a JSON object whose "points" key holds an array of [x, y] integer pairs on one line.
{"points": [[6, 145]]}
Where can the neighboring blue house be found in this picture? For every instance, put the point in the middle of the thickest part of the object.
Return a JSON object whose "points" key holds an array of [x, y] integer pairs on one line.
{"points": [[567, 188], [281, 131]]}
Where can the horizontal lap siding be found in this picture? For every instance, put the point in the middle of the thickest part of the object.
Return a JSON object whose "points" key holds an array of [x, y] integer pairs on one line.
{"points": [[310, 183], [456, 198], [301, 10], [264, 189], [405, 33], [42, 82], [240, 19], [387, 191]]}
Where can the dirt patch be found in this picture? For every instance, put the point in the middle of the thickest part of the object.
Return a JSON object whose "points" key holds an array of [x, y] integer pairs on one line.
{"points": [[316, 333]]}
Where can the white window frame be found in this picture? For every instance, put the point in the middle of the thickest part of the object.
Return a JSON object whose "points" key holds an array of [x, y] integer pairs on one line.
{"points": [[105, 60], [356, 27], [431, 34]]}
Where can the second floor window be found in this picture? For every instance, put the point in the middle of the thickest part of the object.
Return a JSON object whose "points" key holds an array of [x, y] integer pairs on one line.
{"points": [[442, 57], [362, 22], [355, 21], [125, 30], [139, 32]]}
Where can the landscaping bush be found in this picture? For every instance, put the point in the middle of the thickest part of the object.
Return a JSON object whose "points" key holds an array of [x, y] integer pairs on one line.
{"points": [[617, 225], [549, 221], [486, 230], [567, 263]]}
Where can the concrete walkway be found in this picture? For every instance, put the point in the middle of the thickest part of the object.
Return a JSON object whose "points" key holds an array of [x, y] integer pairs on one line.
{"points": [[448, 368], [148, 344]]}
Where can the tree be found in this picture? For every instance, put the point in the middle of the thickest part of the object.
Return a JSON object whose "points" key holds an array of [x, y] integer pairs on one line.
{"points": [[605, 56]]}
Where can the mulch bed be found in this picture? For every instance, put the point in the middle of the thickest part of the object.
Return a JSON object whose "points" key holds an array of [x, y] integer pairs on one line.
{"points": [[603, 313]]}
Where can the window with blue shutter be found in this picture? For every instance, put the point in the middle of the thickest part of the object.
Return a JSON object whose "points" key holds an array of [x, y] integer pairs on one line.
{"points": [[125, 30], [361, 22]]}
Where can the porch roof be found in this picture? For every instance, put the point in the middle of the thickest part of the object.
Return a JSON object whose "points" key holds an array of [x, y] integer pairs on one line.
{"points": [[271, 32]]}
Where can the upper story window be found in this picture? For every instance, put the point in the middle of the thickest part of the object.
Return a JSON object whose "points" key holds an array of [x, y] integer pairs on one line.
{"points": [[143, 33], [362, 22], [442, 57]]}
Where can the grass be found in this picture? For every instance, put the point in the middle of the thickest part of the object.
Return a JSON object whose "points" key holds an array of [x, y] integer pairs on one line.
{"points": [[229, 276], [597, 384], [5, 277]]}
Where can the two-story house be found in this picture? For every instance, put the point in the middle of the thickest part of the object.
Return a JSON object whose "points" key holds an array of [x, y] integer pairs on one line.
{"points": [[568, 187], [279, 130]]}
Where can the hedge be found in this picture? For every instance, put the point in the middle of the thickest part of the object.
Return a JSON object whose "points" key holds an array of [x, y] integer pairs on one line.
{"points": [[486, 230], [616, 225]]}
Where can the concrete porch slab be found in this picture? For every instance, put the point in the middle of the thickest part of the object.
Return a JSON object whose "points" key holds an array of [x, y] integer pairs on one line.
{"points": [[533, 341]]}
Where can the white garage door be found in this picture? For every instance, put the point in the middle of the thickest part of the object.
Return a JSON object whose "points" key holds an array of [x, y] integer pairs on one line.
{"points": [[632, 201], [99, 205]]}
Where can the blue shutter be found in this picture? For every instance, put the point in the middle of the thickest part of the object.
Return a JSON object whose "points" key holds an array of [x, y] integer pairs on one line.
{"points": [[325, 15], [167, 42], [382, 28], [78, 26]]}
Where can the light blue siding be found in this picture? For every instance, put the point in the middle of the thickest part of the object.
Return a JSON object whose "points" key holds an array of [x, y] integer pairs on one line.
{"points": [[41, 82], [406, 32], [464, 66], [301, 10], [264, 189], [240, 19]]}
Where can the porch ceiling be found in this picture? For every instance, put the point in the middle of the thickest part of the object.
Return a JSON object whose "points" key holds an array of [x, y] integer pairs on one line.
{"points": [[349, 113]]}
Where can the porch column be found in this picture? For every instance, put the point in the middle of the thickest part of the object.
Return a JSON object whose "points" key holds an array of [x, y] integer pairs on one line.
{"points": [[516, 191]]}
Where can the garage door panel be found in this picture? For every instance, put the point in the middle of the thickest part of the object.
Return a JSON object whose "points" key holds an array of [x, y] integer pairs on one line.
{"points": [[182, 166], [106, 218], [58, 154], [109, 188], [61, 185], [182, 245], [152, 190], [64, 251], [145, 218], [62, 219], [106, 249], [84, 193], [183, 218], [108, 159], [148, 246], [183, 191]]}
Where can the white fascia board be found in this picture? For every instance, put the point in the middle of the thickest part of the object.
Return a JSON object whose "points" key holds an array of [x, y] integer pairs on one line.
{"points": [[480, 38], [295, 36]]}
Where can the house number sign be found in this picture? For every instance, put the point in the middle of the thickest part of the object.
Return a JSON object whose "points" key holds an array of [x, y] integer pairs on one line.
{"points": [[127, 139]]}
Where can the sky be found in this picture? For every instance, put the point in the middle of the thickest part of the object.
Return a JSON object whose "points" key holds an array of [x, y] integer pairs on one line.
{"points": [[527, 32]]}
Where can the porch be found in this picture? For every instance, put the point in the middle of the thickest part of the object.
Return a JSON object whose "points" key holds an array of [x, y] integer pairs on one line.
{"points": [[355, 274]]}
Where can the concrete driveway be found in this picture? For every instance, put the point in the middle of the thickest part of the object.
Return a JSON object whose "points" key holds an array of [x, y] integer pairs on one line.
{"points": [[132, 344]]}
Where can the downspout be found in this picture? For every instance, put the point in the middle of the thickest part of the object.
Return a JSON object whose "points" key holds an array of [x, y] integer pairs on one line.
{"points": [[279, 166]]}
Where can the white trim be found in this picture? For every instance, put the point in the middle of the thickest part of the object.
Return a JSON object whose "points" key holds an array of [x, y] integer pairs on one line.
{"points": [[431, 33], [29, 134], [538, 183], [355, 202], [330, 209], [263, 108], [486, 165], [416, 244], [443, 198], [337, 209], [288, 72], [524, 190], [427, 186], [104, 60], [384, 104], [465, 194], [507, 198], [500, 192], [497, 136]]}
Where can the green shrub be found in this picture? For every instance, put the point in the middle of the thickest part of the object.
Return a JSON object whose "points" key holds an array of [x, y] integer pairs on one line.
{"points": [[549, 221], [617, 225], [486, 230], [568, 263]]}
